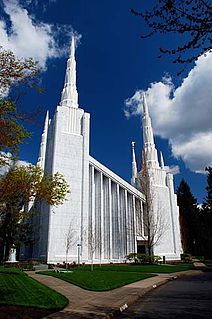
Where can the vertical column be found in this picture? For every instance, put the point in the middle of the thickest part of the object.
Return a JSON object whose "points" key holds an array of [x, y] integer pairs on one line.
{"points": [[111, 220], [127, 224], [171, 192], [102, 218], [142, 218], [134, 226], [92, 227], [118, 235]]}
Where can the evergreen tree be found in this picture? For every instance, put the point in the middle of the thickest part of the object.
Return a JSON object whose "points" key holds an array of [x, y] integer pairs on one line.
{"points": [[189, 214], [208, 199]]}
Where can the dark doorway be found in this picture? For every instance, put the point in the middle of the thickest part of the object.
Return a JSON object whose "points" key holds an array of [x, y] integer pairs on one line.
{"points": [[141, 249]]}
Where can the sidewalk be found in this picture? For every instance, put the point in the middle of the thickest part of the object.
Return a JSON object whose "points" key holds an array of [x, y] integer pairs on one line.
{"points": [[90, 304]]}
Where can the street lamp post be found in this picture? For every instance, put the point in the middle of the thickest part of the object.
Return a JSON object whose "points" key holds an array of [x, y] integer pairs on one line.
{"points": [[78, 253]]}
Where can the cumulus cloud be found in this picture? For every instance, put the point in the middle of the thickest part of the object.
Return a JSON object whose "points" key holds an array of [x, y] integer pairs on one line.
{"points": [[21, 33], [183, 114], [7, 158]]}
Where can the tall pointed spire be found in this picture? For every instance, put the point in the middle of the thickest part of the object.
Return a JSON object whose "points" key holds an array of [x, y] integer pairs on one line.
{"points": [[161, 160], [42, 153], [148, 139], [145, 106], [134, 165], [69, 96]]}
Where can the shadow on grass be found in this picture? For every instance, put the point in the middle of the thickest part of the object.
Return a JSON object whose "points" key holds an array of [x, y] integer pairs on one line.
{"points": [[19, 312]]}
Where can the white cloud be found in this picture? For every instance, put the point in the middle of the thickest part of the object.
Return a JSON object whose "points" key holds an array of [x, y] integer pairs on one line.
{"points": [[182, 115], [6, 156], [28, 37]]}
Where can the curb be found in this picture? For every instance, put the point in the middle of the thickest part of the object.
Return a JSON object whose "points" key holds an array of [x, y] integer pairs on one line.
{"points": [[129, 300], [133, 299]]}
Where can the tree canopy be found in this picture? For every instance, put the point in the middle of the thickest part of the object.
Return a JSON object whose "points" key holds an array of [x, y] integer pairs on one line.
{"points": [[189, 212], [14, 70], [20, 186], [12, 133], [191, 20]]}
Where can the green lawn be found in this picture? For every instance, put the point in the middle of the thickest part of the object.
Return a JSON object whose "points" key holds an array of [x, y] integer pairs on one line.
{"points": [[98, 280], [140, 268], [107, 277], [16, 288]]}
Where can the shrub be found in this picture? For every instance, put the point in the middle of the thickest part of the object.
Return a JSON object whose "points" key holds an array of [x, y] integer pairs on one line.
{"points": [[143, 258], [187, 258]]}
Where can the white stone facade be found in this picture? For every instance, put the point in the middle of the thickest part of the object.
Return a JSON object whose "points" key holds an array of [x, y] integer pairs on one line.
{"points": [[100, 204]]}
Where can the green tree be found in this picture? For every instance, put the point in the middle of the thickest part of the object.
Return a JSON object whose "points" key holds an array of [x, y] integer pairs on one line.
{"points": [[190, 20], [12, 133], [20, 186], [189, 214], [208, 199], [14, 71]]}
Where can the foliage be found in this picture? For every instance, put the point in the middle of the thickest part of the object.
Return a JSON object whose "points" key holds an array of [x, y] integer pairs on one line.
{"points": [[196, 223], [18, 188], [12, 133], [186, 258], [18, 289], [143, 258], [14, 70], [99, 280], [189, 215], [190, 19], [208, 199]]}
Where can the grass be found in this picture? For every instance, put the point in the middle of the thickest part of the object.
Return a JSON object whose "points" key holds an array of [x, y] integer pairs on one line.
{"points": [[98, 280], [107, 277], [140, 268], [16, 288]]}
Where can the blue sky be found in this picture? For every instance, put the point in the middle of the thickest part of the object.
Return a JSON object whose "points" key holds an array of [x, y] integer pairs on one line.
{"points": [[113, 63]]}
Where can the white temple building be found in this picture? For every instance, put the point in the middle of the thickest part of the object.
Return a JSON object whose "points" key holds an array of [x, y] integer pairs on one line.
{"points": [[103, 216]]}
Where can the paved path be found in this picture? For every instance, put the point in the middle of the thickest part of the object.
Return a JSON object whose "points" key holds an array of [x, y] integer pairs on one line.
{"points": [[90, 304]]}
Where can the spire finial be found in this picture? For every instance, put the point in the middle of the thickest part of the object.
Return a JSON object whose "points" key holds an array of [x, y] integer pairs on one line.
{"points": [[161, 160], [42, 152], [46, 121], [145, 106], [69, 96], [148, 138], [72, 47], [134, 165]]}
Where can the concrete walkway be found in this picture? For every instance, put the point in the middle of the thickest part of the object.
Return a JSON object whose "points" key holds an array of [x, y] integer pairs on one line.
{"points": [[90, 304]]}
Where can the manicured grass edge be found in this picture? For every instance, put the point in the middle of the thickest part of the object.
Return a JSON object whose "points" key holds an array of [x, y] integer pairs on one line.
{"points": [[53, 274], [28, 305]]}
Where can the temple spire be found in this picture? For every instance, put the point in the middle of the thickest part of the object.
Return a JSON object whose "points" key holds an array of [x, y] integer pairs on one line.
{"points": [[161, 160], [42, 153], [145, 106], [148, 139], [134, 165], [69, 96]]}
